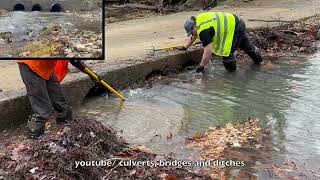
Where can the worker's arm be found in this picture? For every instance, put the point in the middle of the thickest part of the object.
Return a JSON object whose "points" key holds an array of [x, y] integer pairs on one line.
{"points": [[206, 37], [207, 53], [190, 41]]}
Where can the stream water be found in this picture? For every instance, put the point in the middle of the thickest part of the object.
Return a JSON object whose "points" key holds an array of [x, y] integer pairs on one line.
{"points": [[285, 99], [27, 25]]}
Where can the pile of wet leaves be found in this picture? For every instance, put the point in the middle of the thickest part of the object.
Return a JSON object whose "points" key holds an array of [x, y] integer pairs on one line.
{"points": [[291, 170], [54, 155], [294, 38], [58, 42], [216, 143]]}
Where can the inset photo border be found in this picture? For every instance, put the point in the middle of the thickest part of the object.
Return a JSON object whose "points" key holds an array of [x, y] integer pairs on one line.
{"points": [[52, 29]]}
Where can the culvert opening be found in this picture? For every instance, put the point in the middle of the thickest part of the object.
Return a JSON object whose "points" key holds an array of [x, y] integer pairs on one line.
{"points": [[98, 90], [56, 8], [36, 7], [18, 7]]}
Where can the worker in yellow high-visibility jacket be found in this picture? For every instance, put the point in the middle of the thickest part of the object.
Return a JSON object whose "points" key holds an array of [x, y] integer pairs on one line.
{"points": [[221, 34]]}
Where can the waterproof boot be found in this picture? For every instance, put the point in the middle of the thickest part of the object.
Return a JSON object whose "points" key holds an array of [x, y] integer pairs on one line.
{"points": [[36, 127], [67, 117], [255, 55], [230, 63]]}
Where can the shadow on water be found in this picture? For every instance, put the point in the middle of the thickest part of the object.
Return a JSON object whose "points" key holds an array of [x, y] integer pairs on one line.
{"points": [[285, 98]]}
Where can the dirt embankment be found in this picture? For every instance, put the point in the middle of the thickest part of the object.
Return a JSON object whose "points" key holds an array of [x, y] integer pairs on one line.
{"points": [[143, 8]]}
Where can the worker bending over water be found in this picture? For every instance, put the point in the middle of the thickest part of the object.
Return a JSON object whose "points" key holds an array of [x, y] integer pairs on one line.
{"points": [[222, 34]]}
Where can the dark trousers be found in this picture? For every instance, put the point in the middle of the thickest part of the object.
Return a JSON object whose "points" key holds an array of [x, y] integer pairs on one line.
{"points": [[45, 97], [241, 41]]}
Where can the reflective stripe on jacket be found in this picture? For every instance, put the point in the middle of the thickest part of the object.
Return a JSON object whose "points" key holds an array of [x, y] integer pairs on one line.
{"points": [[224, 26]]}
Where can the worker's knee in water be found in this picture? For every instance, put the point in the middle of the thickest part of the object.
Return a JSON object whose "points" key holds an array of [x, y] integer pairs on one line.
{"points": [[256, 57], [230, 65]]}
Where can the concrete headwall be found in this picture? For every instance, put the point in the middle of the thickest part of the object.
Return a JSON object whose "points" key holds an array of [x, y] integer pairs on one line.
{"points": [[15, 107], [67, 5]]}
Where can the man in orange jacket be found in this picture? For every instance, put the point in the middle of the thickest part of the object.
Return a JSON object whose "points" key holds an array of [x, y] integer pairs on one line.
{"points": [[44, 93]]}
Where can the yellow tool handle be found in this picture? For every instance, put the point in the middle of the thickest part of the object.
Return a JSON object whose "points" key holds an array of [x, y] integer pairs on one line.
{"points": [[175, 46], [171, 47], [87, 70]]}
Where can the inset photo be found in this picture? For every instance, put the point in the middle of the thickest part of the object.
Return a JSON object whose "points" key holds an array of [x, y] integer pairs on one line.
{"points": [[51, 29]]}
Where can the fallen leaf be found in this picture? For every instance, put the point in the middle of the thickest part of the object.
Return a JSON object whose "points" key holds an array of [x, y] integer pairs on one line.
{"points": [[92, 134], [236, 144], [33, 170], [198, 135], [171, 178], [132, 172], [163, 175], [143, 148]]}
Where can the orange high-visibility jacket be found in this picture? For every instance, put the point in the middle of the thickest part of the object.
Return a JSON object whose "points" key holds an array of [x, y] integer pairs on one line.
{"points": [[45, 68]]}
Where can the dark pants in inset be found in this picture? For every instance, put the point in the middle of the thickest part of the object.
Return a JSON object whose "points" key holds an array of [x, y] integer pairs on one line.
{"points": [[45, 97], [240, 40]]}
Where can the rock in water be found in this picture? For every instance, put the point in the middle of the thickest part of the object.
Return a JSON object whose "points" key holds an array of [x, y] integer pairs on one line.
{"points": [[3, 12], [80, 47], [68, 51]]}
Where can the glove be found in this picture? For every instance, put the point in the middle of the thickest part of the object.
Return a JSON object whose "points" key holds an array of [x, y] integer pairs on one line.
{"points": [[78, 64], [200, 69], [182, 48]]}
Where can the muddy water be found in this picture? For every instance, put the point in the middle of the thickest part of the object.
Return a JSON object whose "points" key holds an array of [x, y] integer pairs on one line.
{"points": [[286, 99], [27, 25]]}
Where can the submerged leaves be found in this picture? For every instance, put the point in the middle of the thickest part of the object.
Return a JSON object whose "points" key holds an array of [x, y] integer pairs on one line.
{"points": [[214, 142]]}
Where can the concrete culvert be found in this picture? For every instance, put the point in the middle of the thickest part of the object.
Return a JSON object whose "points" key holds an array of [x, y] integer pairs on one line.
{"points": [[36, 7], [18, 7], [56, 7]]}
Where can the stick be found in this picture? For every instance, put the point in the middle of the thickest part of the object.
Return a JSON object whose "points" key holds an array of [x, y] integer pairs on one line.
{"points": [[289, 31], [268, 20], [105, 177], [138, 6]]}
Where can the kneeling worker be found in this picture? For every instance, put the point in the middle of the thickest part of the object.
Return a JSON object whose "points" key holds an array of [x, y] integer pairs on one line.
{"points": [[44, 92], [221, 34]]}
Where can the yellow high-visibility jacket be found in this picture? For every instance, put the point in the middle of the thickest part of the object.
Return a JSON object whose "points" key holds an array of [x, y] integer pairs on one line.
{"points": [[224, 26]]}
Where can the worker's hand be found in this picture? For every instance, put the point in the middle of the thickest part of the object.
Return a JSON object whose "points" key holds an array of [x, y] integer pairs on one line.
{"points": [[78, 64], [183, 48], [200, 69]]}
